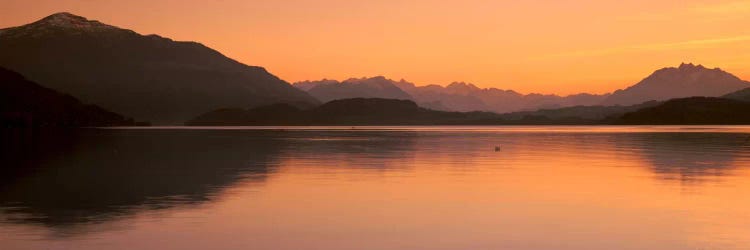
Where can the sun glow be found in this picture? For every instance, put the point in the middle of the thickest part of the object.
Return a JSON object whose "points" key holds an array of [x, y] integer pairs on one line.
{"points": [[558, 47]]}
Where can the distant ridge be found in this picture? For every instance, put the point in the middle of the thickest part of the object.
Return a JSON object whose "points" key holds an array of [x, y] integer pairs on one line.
{"points": [[147, 77], [457, 96], [375, 87], [684, 81]]}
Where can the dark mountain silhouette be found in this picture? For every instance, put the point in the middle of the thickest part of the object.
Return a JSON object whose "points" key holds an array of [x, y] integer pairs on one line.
{"points": [[26, 104], [147, 77], [356, 111], [376, 111], [371, 110], [274, 114], [692, 110], [684, 81], [741, 95], [376, 87], [592, 114]]}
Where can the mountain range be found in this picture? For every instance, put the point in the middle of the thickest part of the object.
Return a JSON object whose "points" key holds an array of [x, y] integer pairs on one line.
{"points": [[376, 87], [457, 96], [147, 77], [673, 82]]}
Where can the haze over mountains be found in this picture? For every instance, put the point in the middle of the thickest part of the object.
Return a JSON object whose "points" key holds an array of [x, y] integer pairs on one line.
{"points": [[457, 96], [376, 87], [684, 81], [146, 77]]}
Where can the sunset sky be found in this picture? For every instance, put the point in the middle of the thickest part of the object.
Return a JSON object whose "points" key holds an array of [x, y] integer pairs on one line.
{"points": [[560, 46]]}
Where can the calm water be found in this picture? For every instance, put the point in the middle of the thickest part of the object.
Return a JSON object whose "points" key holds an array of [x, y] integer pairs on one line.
{"points": [[377, 188]]}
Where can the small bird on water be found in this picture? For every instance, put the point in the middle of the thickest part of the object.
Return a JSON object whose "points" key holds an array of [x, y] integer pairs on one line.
{"points": [[497, 148]]}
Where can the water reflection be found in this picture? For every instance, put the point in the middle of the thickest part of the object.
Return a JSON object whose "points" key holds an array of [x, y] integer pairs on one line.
{"points": [[70, 180], [377, 151], [64, 178], [690, 158]]}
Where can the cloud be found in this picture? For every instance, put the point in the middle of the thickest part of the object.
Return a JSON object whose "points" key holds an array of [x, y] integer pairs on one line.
{"points": [[723, 8], [682, 45], [693, 44]]}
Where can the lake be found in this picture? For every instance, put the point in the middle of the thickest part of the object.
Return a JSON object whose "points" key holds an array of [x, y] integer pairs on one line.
{"points": [[554, 187]]}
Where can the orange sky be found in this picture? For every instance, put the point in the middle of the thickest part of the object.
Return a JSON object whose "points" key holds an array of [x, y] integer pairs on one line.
{"points": [[560, 46]]}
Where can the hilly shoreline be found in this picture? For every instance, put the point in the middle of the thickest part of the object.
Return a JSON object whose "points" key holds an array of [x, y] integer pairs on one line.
{"points": [[378, 111]]}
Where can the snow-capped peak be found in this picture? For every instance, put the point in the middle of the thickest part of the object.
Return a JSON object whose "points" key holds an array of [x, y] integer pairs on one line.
{"points": [[63, 21], [67, 20]]}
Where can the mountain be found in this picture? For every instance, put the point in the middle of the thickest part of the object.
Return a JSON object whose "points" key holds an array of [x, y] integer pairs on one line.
{"points": [[355, 111], [307, 85], [376, 87], [684, 81], [273, 114], [691, 111], [436, 97], [26, 104], [147, 77], [740, 95]]}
